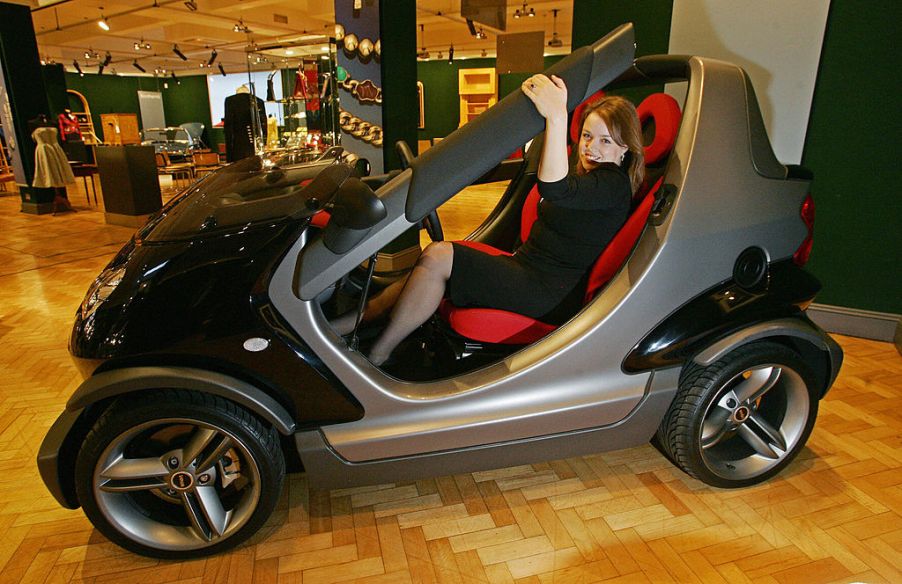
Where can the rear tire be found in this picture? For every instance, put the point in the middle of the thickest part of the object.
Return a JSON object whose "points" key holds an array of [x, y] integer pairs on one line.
{"points": [[742, 419], [178, 474]]}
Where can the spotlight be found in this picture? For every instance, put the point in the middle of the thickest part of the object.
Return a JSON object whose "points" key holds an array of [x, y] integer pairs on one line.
{"points": [[102, 23], [213, 56], [450, 54], [241, 27], [78, 68], [191, 5], [100, 69], [181, 55], [423, 54], [138, 66], [177, 80], [107, 59], [142, 44], [221, 70], [555, 41], [518, 13], [484, 53], [480, 34], [471, 26]]}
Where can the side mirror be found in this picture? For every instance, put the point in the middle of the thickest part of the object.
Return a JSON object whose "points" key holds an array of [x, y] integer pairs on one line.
{"points": [[362, 167], [355, 210]]}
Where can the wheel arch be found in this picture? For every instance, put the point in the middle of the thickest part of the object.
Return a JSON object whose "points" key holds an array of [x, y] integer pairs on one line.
{"points": [[58, 451], [814, 346], [117, 382]]}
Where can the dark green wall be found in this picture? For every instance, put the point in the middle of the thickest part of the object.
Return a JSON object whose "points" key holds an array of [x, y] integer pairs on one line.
{"points": [[106, 94], [592, 19], [849, 146], [441, 96]]}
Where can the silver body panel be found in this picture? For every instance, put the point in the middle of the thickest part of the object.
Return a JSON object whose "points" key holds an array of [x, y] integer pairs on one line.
{"points": [[571, 380]]}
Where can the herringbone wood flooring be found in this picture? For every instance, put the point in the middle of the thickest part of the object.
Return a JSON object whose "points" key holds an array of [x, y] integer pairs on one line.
{"points": [[627, 516]]}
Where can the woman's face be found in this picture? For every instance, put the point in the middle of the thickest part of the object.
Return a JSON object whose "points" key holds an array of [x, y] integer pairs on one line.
{"points": [[596, 144]]}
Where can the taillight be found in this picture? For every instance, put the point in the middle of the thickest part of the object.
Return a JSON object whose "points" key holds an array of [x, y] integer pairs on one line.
{"points": [[800, 257]]}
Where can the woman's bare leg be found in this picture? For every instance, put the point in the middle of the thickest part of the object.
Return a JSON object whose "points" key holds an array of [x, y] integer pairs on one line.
{"points": [[375, 308], [418, 300]]}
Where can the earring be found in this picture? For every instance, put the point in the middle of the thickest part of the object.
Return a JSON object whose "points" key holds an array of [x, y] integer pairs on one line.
{"points": [[622, 156]]}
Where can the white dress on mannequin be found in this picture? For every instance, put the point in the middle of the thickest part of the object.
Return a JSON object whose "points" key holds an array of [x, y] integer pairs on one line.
{"points": [[51, 169]]}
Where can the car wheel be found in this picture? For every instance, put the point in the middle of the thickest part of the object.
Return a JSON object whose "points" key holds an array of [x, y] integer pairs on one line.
{"points": [[740, 420], [178, 474]]}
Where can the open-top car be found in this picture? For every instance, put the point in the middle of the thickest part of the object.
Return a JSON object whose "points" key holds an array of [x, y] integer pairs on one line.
{"points": [[209, 359]]}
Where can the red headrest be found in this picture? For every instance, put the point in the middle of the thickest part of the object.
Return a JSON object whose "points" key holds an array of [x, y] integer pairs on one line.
{"points": [[665, 112]]}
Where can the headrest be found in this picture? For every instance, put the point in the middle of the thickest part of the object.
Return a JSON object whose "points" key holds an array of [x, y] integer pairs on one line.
{"points": [[575, 126], [665, 112]]}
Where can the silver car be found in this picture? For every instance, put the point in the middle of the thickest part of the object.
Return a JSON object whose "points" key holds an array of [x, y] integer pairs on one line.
{"points": [[210, 366]]}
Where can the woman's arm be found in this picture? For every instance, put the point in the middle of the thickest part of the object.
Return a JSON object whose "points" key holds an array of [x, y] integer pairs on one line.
{"points": [[550, 99]]}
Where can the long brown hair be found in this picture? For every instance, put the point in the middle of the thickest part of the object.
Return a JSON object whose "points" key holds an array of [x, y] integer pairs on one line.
{"points": [[620, 117]]}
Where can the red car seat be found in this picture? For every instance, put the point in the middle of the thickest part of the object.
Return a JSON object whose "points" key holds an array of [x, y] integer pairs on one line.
{"points": [[491, 325]]}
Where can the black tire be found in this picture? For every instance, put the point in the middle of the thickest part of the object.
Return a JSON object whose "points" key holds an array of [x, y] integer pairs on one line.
{"points": [[153, 461], [742, 419]]}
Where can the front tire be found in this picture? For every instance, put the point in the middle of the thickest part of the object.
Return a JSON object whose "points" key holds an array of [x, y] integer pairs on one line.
{"points": [[742, 419], [178, 474]]}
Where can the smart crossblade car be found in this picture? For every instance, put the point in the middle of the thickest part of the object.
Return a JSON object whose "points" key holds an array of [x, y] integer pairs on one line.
{"points": [[209, 360]]}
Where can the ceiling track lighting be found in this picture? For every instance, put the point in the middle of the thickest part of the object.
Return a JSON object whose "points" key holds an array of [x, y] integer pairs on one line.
{"points": [[138, 66], [107, 59], [78, 67], [450, 54], [213, 56], [176, 79], [423, 54], [518, 13], [142, 44], [191, 5], [181, 55], [102, 23], [241, 27], [555, 42], [221, 70], [91, 54]]}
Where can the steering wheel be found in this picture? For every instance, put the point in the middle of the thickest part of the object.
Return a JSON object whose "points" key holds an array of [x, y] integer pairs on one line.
{"points": [[431, 223]]}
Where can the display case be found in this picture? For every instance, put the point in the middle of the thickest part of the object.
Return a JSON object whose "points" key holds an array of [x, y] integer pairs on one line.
{"points": [[478, 92], [120, 129]]}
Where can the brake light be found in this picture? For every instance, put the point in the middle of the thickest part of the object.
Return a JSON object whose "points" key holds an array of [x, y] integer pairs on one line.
{"points": [[801, 255]]}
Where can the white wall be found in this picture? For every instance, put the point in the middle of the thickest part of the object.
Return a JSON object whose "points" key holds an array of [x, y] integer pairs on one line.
{"points": [[778, 42]]}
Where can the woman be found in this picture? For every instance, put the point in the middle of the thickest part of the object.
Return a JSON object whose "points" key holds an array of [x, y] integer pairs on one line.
{"points": [[578, 215]]}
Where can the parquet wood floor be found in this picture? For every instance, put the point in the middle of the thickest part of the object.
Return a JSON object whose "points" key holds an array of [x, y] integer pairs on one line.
{"points": [[626, 516]]}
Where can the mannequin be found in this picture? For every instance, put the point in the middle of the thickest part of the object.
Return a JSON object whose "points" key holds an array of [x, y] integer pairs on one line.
{"points": [[51, 169], [244, 115], [68, 123], [70, 134]]}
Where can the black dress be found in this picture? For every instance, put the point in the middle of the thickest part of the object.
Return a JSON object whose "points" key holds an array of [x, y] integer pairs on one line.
{"points": [[239, 125], [546, 277]]}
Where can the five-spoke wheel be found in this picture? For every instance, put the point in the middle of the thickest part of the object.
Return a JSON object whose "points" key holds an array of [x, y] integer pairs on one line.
{"points": [[178, 474], [743, 418]]}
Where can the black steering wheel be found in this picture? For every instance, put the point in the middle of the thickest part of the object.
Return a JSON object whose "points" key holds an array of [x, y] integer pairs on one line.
{"points": [[431, 223]]}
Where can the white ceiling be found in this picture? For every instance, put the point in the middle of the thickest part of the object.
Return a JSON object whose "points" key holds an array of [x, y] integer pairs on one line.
{"points": [[67, 29]]}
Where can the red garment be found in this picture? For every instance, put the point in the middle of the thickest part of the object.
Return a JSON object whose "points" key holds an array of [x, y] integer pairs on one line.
{"points": [[300, 84], [69, 129], [311, 73]]}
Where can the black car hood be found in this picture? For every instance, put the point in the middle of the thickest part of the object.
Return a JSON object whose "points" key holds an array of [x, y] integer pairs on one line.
{"points": [[253, 191]]}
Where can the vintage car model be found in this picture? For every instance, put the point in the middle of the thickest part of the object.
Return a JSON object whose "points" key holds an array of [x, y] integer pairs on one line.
{"points": [[209, 360]]}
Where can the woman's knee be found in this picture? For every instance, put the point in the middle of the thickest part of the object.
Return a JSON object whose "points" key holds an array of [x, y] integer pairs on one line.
{"points": [[438, 257]]}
